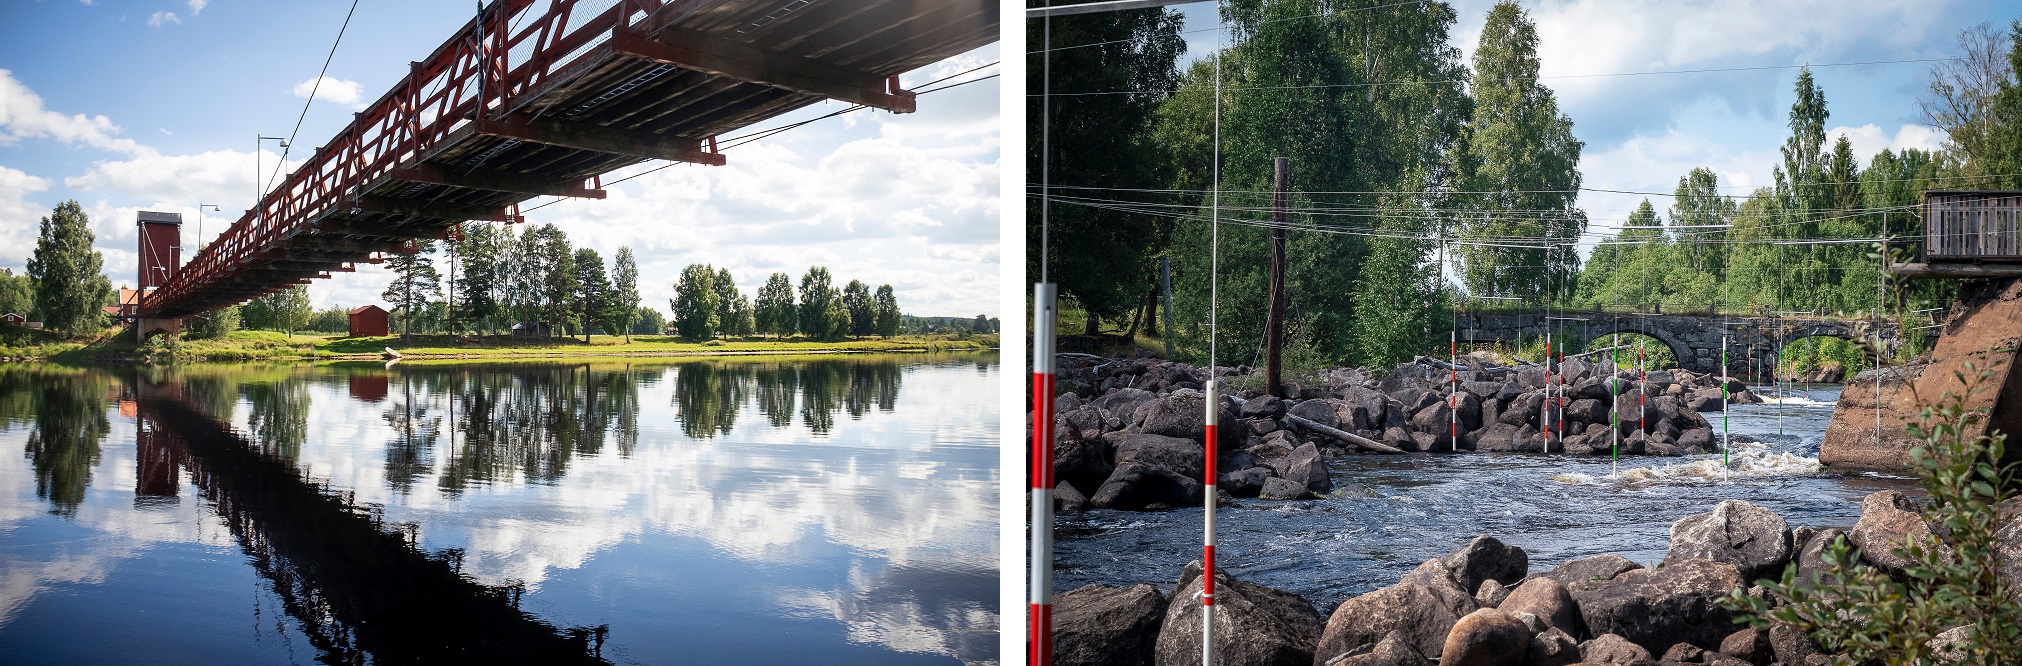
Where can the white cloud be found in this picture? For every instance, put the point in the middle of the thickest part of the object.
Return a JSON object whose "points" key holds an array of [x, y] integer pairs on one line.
{"points": [[197, 7], [1869, 139], [23, 116], [20, 218], [334, 90], [159, 18]]}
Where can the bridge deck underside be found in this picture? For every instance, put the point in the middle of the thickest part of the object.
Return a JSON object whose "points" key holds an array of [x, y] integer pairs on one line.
{"points": [[617, 102]]}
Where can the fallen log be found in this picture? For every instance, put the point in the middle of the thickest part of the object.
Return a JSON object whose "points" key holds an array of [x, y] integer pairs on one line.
{"points": [[1336, 433], [1443, 365]]}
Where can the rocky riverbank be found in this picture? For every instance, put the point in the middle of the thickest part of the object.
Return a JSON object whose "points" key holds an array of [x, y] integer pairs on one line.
{"points": [[1128, 432], [1481, 604]]}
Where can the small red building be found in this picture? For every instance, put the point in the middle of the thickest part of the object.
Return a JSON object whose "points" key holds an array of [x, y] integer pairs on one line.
{"points": [[368, 320]]}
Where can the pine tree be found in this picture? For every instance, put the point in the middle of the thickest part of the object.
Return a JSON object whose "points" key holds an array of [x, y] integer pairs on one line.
{"points": [[415, 280], [593, 290]]}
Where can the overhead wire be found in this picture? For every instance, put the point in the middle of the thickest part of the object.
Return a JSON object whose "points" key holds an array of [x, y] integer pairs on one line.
{"points": [[743, 139]]}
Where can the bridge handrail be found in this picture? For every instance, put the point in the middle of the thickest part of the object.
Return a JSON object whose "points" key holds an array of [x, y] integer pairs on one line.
{"points": [[475, 68]]}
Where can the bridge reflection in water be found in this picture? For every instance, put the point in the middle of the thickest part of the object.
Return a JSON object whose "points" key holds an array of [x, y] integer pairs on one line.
{"points": [[359, 591], [841, 508]]}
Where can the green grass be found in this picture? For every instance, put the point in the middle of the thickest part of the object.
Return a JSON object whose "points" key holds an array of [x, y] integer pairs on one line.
{"points": [[640, 345]]}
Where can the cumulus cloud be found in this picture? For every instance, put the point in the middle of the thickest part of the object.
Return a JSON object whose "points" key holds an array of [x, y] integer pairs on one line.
{"points": [[333, 90], [23, 116], [1869, 139], [20, 216], [159, 18], [197, 7]]}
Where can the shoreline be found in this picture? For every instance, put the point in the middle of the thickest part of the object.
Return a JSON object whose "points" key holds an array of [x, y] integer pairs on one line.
{"points": [[264, 346]]}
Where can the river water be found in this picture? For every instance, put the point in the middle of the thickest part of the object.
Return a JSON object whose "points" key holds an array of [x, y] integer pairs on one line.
{"points": [[836, 510], [1390, 513]]}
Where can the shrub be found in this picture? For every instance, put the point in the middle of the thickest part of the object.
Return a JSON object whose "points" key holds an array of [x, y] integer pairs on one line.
{"points": [[1873, 619]]}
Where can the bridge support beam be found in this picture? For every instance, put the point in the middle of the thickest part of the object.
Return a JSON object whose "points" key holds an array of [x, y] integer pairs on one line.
{"points": [[495, 181], [145, 327], [585, 136], [703, 53]]}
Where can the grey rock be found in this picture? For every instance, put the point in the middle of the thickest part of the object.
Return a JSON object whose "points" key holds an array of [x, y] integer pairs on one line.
{"points": [[1612, 649], [1549, 600], [1394, 650], [1485, 558], [1099, 624], [1753, 539], [1486, 637], [1405, 608], [1663, 607], [1254, 625], [1140, 486], [1490, 594], [1276, 488], [1183, 457], [1552, 647]]}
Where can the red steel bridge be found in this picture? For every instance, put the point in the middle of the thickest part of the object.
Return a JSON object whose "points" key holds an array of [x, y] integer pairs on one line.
{"points": [[542, 97]]}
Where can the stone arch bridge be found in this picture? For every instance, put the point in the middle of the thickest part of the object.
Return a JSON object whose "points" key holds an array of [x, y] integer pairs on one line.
{"points": [[1752, 342]]}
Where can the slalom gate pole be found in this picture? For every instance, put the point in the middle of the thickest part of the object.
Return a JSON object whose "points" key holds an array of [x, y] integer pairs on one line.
{"points": [[1614, 405], [1039, 623], [1726, 434], [1453, 390], [1208, 532]]}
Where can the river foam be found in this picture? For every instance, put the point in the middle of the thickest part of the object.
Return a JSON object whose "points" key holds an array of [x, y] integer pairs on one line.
{"points": [[1746, 460]]}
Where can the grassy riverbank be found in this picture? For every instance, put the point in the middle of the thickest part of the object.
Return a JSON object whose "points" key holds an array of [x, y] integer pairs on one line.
{"points": [[268, 345]]}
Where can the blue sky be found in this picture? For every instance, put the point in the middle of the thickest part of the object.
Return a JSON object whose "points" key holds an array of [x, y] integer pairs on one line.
{"points": [[128, 105], [1644, 132]]}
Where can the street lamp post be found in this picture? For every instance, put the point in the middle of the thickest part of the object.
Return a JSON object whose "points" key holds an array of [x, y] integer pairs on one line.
{"points": [[259, 187], [200, 220]]}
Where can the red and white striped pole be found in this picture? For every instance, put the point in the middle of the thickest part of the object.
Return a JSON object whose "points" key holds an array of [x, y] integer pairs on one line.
{"points": [[1453, 390], [1040, 619], [1208, 532]]}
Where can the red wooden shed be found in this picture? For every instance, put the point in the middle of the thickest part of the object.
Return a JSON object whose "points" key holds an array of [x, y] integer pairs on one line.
{"points": [[368, 320]]}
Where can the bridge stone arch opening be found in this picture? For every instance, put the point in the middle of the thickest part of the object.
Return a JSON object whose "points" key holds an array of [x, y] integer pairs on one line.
{"points": [[1751, 344]]}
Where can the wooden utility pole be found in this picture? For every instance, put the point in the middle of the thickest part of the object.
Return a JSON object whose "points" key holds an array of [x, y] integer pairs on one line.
{"points": [[1274, 325]]}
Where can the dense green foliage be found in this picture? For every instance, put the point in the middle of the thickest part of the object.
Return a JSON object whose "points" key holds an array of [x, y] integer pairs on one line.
{"points": [[1856, 610], [286, 311], [1099, 140], [1419, 184], [70, 286]]}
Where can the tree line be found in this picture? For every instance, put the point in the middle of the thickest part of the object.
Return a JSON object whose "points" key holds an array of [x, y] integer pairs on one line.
{"points": [[706, 303], [1421, 183]]}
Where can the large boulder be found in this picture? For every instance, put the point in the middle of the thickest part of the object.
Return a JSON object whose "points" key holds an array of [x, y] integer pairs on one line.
{"points": [[1434, 418], [1612, 649], [1098, 625], [1323, 412], [1180, 456], [1068, 499], [1265, 406], [1435, 577], [1750, 645], [2008, 551], [1658, 608], [1486, 637], [1141, 486], [1306, 467], [1590, 572], [1753, 539], [1182, 415], [1811, 557], [1549, 600], [1552, 647], [1889, 521], [1483, 558], [1254, 625], [1082, 462], [1506, 438], [1394, 650], [1124, 402], [1407, 608], [1276, 488]]}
